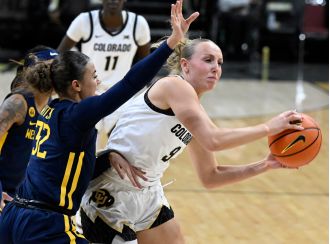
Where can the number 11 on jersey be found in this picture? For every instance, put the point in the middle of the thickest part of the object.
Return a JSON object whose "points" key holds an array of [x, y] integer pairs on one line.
{"points": [[108, 62]]}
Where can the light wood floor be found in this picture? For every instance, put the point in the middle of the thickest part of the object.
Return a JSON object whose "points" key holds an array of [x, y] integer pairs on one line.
{"points": [[280, 206]]}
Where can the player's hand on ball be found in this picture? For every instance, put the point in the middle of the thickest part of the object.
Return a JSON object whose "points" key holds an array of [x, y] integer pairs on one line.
{"points": [[284, 121], [295, 148], [272, 163]]}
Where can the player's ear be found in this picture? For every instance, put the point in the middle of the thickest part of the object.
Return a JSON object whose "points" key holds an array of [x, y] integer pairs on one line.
{"points": [[76, 85], [184, 65]]}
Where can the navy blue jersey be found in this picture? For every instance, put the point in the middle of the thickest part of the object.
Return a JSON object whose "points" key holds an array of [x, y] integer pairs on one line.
{"points": [[63, 157], [63, 153], [15, 147]]}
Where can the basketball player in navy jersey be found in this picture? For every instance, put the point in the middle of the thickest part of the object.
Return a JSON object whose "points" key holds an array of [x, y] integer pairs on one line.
{"points": [[18, 115], [113, 38], [63, 154]]}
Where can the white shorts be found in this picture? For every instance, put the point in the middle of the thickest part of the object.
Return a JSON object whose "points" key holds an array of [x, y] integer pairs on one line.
{"points": [[118, 204]]}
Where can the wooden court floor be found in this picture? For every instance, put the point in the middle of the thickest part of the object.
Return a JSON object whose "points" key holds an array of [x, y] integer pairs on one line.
{"points": [[283, 206]]}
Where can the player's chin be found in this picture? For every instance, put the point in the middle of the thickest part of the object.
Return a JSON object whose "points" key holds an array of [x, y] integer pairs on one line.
{"points": [[211, 83]]}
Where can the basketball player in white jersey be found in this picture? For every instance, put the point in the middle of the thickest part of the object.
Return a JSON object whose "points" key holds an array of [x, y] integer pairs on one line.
{"points": [[151, 131], [112, 38]]}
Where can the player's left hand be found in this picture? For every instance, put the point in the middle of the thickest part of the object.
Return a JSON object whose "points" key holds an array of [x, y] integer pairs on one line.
{"points": [[5, 198], [179, 24], [284, 121], [272, 163], [123, 167]]}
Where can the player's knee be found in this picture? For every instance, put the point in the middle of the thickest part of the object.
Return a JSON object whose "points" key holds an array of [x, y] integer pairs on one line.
{"points": [[177, 234], [179, 238]]}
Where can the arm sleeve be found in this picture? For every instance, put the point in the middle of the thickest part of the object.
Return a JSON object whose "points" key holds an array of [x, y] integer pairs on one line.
{"points": [[90, 110], [79, 28]]}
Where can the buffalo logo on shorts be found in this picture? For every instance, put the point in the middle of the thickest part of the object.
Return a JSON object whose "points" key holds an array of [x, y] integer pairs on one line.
{"points": [[102, 198]]}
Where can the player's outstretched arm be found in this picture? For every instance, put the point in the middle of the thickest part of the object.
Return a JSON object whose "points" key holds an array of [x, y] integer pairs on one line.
{"points": [[179, 24]]}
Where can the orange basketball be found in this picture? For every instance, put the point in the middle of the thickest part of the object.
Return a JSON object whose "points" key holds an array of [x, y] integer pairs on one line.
{"points": [[294, 148]]}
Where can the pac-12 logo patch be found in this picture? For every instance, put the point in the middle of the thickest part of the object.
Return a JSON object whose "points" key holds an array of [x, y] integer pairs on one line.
{"points": [[102, 198], [32, 112]]}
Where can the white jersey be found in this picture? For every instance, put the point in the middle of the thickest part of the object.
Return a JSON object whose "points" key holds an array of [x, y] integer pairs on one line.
{"points": [[112, 53], [148, 138]]}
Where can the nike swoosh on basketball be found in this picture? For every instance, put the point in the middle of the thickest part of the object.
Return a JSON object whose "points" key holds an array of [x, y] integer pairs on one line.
{"points": [[299, 138]]}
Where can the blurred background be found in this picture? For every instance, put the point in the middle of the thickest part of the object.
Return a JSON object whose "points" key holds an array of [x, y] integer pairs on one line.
{"points": [[256, 36], [276, 58]]}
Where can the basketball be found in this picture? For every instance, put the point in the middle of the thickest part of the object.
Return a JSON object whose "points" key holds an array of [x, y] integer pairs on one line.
{"points": [[294, 148]]}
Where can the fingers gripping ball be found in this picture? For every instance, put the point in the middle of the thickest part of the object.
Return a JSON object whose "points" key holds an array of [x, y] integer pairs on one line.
{"points": [[295, 148]]}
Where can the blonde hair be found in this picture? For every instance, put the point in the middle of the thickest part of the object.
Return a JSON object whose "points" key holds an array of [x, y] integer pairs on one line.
{"points": [[184, 49]]}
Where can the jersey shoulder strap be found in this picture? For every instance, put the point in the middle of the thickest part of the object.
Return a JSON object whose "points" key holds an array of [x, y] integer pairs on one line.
{"points": [[134, 29], [92, 27]]}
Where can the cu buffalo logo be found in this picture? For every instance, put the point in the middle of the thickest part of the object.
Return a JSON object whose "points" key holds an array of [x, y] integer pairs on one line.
{"points": [[102, 198]]}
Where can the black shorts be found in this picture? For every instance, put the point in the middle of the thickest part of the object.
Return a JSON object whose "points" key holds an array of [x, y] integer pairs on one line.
{"points": [[100, 232]]}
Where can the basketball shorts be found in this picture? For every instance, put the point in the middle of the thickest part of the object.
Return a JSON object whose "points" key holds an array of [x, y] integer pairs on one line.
{"points": [[31, 225], [110, 208]]}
